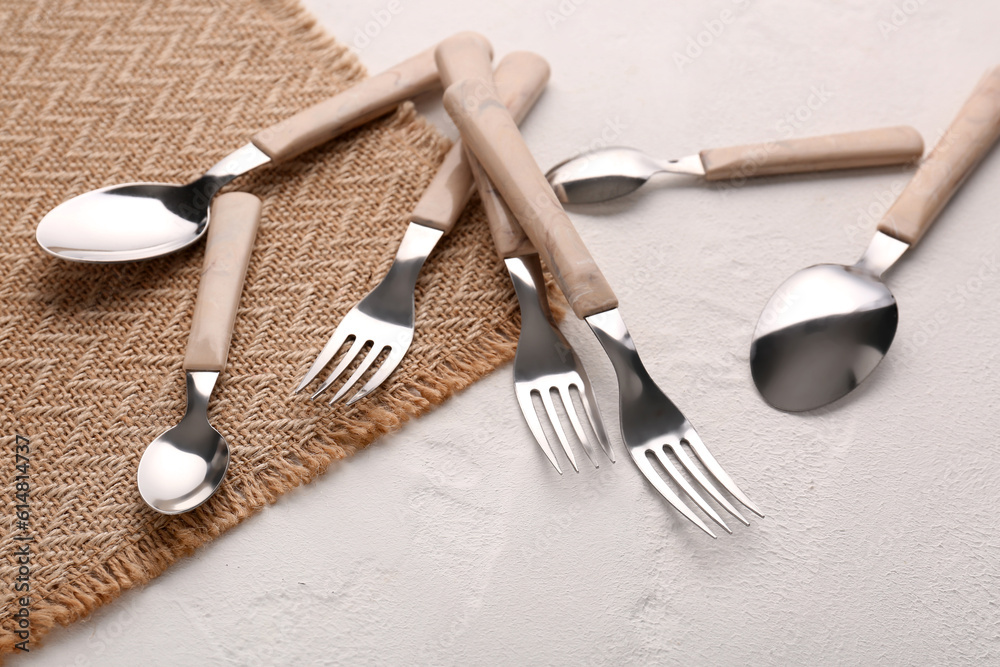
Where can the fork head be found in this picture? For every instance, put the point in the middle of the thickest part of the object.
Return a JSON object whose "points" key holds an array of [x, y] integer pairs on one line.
{"points": [[382, 323], [546, 365], [655, 430]]}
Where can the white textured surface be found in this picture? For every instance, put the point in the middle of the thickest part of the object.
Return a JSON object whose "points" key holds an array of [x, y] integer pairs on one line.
{"points": [[453, 542]]}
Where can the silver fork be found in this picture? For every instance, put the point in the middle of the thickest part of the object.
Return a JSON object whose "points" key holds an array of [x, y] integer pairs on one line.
{"points": [[545, 363], [651, 424], [384, 319]]}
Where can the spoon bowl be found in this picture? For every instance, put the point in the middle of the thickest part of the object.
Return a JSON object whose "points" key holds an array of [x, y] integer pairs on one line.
{"points": [[128, 222], [183, 467], [820, 335]]}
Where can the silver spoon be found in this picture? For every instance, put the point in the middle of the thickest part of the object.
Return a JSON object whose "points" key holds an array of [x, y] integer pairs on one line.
{"points": [[609, 173], [138, 221], [828, 326], [183, 467]]}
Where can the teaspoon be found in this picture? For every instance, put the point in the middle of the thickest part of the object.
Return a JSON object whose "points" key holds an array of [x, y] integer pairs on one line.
{"points": [[609, 173], [183, 467]]}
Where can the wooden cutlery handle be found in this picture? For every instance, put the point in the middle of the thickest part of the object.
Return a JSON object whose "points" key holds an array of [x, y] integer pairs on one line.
{"points": [[490, 132], [231, 232], [520, 78], [345, 111], [508, 236], [963, 145], [466, 56], [867, 148]]}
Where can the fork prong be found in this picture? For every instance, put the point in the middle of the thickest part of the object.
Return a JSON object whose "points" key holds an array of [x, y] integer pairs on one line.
{"points": [[361, 370], [681, 481], [574, 420], [332, 346], [550, 409], [531, 417], [706, 483], [342, 365], [594, 415], [384, 371], [705, 456], [639, 456]]}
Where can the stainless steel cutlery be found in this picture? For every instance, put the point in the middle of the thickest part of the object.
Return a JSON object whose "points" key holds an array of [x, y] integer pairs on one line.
{"points": [[184, 466], [828, 326], [609, 173], [651, 425], [382, 322], [821, 334]]}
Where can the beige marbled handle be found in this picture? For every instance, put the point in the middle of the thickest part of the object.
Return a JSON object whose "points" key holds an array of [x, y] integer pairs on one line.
{"points": [[520, 78], [866, 148], [963, 145], [231, 234], [490, 132], [345, 111]]}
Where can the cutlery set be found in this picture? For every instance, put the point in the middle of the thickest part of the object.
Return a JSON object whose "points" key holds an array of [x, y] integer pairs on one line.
{"points": [[820, 335]]}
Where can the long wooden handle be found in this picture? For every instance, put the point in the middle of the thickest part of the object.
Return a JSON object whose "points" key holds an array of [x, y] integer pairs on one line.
{"points": [[520, 78], [963, 145], [231, 232], [508, 236], [460, 57], [490, 132], [867, 148], [345, 111]]}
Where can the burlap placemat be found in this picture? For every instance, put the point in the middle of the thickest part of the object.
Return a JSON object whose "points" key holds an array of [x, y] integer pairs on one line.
{"points": [[108, 91]]}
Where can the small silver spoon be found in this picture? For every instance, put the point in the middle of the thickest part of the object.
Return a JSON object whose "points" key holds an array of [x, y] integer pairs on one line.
{"points": [[828, 326], [183, 467], [136, 221], [609, 173]]}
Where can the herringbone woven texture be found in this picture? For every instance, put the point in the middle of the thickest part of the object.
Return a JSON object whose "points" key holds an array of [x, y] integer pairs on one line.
{"points": [[99, 92]]}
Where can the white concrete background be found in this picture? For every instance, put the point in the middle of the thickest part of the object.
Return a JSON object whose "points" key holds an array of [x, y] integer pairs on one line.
{"points": [[453, 542]]}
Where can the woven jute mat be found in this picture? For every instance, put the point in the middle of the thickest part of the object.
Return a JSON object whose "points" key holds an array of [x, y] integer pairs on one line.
{"points": [[100, 92]]}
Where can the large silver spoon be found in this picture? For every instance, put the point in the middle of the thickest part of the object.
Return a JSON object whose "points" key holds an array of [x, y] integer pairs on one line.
{"points": [[138, 221], [828, 326], [183, 467], [609, 173]]}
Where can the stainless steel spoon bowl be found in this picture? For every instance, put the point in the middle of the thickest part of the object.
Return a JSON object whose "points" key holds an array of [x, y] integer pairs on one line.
{"points": [[183, 467], [824, 330], [139, 221]]}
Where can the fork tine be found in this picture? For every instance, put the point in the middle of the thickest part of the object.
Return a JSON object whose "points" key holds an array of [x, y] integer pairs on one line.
{"points": [[361, 370], [706, 483], [594, 415], [639, 456], [681, 481], [384, 371], [574, 419], [530, 416], [335, 343], [345, 361], [550, 409], [705, 456]]}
